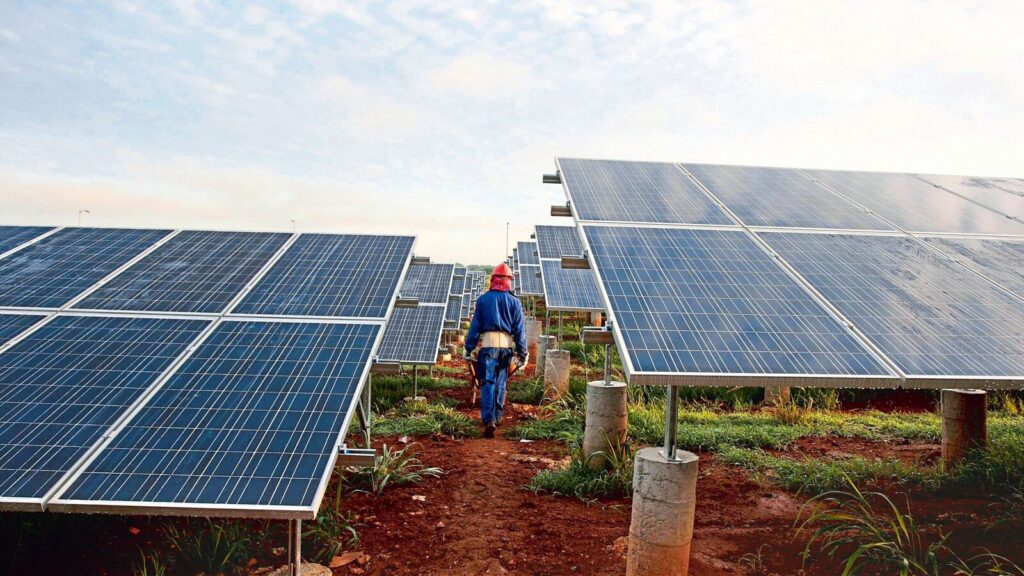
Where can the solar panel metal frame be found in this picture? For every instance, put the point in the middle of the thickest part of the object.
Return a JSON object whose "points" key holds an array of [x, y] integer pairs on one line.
{"points": [[433, 333], [58, 504], [531, 282]]}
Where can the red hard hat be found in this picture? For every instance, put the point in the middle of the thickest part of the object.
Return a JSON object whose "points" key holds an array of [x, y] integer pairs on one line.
{"points": [[502, 270]]}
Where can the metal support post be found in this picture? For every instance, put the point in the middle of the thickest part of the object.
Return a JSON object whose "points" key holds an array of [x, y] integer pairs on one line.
{"points": [[366, 409], [295, 546], [559, 329], [671, 423], [607, 365], [415, 383]]}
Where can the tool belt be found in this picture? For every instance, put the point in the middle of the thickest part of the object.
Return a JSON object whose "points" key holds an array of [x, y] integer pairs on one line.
{"points": [[496, 340]]}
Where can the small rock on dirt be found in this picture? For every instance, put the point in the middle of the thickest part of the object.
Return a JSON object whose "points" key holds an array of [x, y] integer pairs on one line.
{"points": [[345, 559], [308, 569]]}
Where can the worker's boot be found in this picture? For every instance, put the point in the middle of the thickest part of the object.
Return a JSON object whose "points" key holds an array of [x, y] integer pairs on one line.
{"points": [[489, 431]]}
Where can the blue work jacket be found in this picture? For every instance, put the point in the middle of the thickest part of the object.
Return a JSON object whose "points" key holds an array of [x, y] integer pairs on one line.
{"points": [[498, 311]]}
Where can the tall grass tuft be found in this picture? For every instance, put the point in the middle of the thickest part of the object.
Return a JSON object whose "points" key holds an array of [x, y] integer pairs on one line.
{"points": [[208, 547], [391, 468]]}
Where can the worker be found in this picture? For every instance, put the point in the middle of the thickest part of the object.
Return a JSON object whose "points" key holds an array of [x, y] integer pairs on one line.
{"points": [[496, 340]]}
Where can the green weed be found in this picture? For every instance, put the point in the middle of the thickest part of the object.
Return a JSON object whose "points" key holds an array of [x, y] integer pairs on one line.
{"points": [[206, 546], [391, 468], [330, 534]]}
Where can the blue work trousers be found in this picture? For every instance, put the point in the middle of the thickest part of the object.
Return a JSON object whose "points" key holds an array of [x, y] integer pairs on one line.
{"points": [[492, 370]]}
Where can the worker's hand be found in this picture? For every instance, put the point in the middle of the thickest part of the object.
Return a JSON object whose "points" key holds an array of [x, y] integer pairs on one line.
{"points": [[521, 361], [469, 356]]}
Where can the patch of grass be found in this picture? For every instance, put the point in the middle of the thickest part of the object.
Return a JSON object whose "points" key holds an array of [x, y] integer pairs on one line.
{"points": [[579, 480], [562, 420], [391, 468], [151, 565], [815, 476], [526, 391], [425, 419], [390, 391], [869, 523], [208, 547], [330, 534]]}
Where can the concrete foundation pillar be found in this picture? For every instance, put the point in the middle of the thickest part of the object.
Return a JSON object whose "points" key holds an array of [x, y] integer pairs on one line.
{"points": [[661, 527], [533, 330], [964, 426], [544, 343], [775, 395], [460, 339], [595, 319], [607, 419], [556, 374], [453, 349]]}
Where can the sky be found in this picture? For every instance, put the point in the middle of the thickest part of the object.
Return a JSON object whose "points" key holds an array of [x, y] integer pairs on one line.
{"points": [[438, 119]]}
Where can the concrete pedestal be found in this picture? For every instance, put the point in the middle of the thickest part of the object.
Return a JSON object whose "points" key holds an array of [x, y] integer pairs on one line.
{"points": [[453, 349], [596, 319], [533, 330], [661, 527], [964, 426], [607, 419], [775, 395], [556, 375], [544, 343]]}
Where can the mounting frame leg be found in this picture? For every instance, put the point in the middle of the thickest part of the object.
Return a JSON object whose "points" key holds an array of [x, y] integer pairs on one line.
{"points": [[295, 547], [365, 409], [671, 423]]}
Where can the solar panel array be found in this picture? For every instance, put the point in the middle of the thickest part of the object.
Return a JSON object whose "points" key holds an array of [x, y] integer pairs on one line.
{"points": [[565, 289], [814, 278], [184, 372], [413, 335]]}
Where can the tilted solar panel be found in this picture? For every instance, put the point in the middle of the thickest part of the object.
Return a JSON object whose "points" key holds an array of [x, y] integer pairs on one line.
{"points": [[249, 425], [698, 306], [413, 335], [429, 283], [458, 285], [558, 241], [1003, 194], [569, 290], [618, 191], [13, 324], [453, 312], [53, 271], [13, 236], [528, 254], [530, 280], [999, 260], [64, 385], [332, 275], [927, 314], [781, 197], [196, 271], [915, 205]]}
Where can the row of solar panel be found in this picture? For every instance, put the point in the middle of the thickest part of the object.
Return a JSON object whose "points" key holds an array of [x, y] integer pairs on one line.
{"points": [[706, 306], [413, 335], [565, 289], [201, 272], [712, 195]]}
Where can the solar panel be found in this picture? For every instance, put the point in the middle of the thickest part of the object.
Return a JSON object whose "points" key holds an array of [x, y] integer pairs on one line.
{"points": [[51, 272], [781, 197], [13, 324], [458, 285], [558, 241], [1003, 194], [65, 384], [196, 271], [453, 312], [250, 424], [928, 315], [999, 260], [699, 306], [13, 236], [569, 289], [530, 281], [915, 205], [465, 312], [528, 254], [413, 335], [429, 283], [617, 191], [332, 275]]}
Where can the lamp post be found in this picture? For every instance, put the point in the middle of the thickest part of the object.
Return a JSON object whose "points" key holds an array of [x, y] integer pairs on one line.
{"points": [[80, 212]]}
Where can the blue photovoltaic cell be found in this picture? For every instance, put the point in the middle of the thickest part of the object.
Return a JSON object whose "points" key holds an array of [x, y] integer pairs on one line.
{"points": [[59, 267], [707, 301], [13, 324], [453, 313], [458, 285], [466, 309], [65, 384], [618, 191], [332, 275], [781, 197], [429, 283], [569, 289], [195, 271], [13, 236], [927, 314], [530, 280], [915, 205], [412, 335], [999, 260], [528, 254], [1003, 194], [558, 241], [252, 418]]}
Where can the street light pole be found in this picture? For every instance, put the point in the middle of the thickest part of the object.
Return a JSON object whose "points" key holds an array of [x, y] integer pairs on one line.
{"points": [[80, 212]]}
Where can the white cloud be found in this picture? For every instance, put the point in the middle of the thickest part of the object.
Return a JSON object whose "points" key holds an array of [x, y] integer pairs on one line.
{"points": [[482, 75]]}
